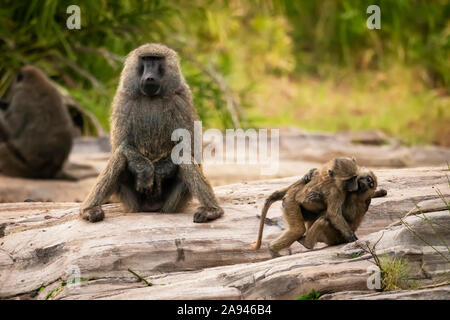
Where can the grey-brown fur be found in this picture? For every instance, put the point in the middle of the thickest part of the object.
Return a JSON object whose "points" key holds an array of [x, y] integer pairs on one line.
{"points": [[141, 129], [330, 184], [35, 128], [319, 227]]}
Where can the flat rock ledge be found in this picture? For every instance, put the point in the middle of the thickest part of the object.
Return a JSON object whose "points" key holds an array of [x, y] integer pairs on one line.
{"points": [[44, 245]]}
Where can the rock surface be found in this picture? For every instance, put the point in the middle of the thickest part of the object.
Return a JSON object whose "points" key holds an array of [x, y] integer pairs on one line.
{"points": [[372, 149], [44, 244], [439, 293], [299, 152]]}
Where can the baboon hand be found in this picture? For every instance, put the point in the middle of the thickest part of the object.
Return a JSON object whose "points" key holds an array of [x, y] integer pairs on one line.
{"points": [[315, 196], [308, 177], [351, 238], [204, 214], [93, 214], [145, 178]]}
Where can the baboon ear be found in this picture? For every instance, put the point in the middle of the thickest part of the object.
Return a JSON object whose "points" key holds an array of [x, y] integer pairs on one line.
{"points": [[330, 172]]}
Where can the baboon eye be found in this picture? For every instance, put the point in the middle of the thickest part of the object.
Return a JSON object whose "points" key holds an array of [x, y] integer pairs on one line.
{"points": [[161, 70], [20, 77]]}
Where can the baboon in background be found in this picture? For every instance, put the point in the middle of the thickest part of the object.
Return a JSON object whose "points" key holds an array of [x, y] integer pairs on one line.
{"points": [[152, 100], [331, 183], [3, 104], [319, 227], [35, 128]]}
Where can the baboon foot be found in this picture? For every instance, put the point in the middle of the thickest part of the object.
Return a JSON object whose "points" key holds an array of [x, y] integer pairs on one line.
{"points": [[274, 253], [94, 214], [204, 214], [304, 243], [351, 238]]}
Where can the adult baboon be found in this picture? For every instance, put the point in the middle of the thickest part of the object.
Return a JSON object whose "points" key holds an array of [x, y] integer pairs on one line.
{"points": [[331, 183], [35, 128], [152, 100], [3, 104]]}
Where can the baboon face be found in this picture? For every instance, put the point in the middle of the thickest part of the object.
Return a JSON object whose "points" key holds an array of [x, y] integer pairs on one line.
{"points": [[366, 182], [351, 184], [151, 72], [28, 74]]}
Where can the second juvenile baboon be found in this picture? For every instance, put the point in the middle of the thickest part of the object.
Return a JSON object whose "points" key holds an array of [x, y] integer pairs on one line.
{"points": [[35, 128], [319, 227], [152, 100], [331, 183]]}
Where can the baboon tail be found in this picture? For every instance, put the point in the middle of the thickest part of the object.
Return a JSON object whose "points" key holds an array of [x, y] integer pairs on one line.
{"points": [[276, 196]]}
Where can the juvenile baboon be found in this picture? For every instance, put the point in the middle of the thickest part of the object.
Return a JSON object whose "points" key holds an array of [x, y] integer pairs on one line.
{"points": [[319, 227], [330, 183], [35, 128], [152, 100]]}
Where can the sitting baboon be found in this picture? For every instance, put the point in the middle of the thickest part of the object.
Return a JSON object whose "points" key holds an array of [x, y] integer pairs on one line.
{"points": [[331, 183], [35, 128], [152, 100], [319, 227], [3, 104]]}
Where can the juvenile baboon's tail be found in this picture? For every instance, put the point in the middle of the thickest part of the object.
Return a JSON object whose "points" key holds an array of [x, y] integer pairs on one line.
{"points": [[276, 196]]}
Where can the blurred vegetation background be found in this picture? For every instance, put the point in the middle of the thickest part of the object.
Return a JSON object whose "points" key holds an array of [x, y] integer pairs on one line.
{"points": [[261, 63]]}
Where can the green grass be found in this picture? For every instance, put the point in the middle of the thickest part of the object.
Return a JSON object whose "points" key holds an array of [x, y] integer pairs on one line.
{"points": [[311, 64], [395, 274], [391, 101], [98, 103], [312, 295], [61, 287]]}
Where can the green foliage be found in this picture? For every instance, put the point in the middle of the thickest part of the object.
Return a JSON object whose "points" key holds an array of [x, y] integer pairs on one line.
{"points": [[149, 284], [61, 287], [334, 33], [312, 295], [257, 53], [88, 61], [395, 274]]}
